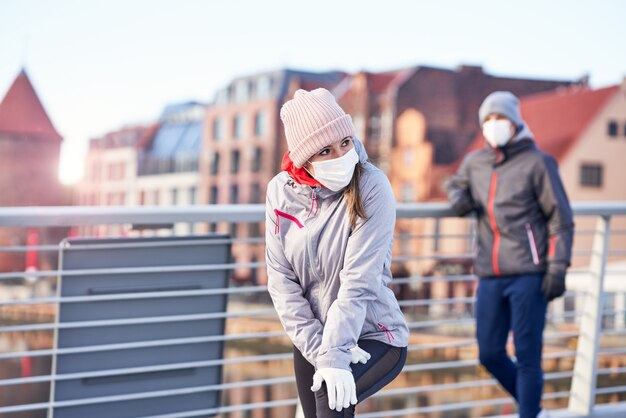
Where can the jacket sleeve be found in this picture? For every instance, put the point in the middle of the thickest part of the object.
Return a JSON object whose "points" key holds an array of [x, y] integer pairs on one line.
{"points": [[459, 194], [558, 213], [293, 309], [361, 278]]}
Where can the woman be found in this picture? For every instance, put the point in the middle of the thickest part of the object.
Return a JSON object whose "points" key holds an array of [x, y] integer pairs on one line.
{"points": [[329, 235]]}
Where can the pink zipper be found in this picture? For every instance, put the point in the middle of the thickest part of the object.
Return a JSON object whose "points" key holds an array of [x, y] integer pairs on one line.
{"points": [[389, 334], [315, 204], [533, 245]]}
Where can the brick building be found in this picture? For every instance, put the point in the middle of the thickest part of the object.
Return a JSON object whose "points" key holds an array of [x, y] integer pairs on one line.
{"points": [[243, 144], [30, 147]]}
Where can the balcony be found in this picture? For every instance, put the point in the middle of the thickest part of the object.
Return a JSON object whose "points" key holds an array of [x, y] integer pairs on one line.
{"points": [[585, 337]]}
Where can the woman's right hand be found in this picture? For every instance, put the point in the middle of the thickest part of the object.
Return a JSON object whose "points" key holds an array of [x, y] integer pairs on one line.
{"points": [[339, 384], [359, 355]]}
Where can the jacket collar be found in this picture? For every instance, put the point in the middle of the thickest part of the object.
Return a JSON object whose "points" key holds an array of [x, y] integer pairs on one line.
{"points": [[502, 154]]}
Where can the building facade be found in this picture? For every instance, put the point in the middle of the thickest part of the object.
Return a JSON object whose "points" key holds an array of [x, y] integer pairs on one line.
{"points": [[30, 148]]}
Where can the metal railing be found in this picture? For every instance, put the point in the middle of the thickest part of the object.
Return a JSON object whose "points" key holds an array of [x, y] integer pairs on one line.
{"points": [[441, 374]]}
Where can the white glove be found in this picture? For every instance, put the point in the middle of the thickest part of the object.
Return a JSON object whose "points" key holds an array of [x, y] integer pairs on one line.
{"points": [[359, 355], [340, 385]]}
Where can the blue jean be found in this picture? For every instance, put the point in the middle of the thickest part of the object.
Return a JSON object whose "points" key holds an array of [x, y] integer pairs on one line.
{"points": [[513, 303]]}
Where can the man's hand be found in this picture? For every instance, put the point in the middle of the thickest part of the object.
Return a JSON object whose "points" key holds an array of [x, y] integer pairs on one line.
{"points": [[553, 285]]}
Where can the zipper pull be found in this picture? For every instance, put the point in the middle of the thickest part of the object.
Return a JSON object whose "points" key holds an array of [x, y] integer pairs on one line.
{"points": [[313, 203], [317, 205]]}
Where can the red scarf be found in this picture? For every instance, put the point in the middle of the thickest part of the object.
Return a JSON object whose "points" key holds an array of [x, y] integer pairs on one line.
{"points": [[300, 175]]}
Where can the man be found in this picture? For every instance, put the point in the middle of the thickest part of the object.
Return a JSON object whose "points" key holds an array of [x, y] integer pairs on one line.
{"points": [[525, 231]]}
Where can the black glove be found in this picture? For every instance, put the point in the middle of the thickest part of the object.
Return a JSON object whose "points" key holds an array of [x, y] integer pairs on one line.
{"points": [[553, 284]]}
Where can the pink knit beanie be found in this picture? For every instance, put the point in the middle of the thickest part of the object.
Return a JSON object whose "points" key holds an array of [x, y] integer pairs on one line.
{"points": [[313, 120]]}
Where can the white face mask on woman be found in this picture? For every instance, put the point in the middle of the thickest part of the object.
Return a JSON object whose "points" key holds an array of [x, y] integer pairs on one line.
{"points": [[336, 174], [498, 132]]}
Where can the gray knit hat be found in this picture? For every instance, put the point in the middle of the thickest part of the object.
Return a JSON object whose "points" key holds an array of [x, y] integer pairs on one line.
{"points": [[503, 103]]}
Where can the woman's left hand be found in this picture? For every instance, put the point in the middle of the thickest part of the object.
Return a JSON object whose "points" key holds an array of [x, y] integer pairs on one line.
{"points": [[359, 355]]}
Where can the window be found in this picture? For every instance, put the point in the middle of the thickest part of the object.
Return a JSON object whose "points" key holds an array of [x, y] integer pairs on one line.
{"points": [[255, 193], [192, 195], [373, 129], [155, 197], [256, 160], [234, 194], [591, 175], [242, 89], [214, 165], [359, 125], [234, 162], [142, 197], [255, 230], [263, 87], [259, 124], [174, 196], [612, 129], [217, 129], [213, 195], [238, 126], [408, 193]]}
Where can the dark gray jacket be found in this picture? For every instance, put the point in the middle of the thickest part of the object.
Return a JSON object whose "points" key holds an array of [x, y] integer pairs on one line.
{"points": [[524, 218]]}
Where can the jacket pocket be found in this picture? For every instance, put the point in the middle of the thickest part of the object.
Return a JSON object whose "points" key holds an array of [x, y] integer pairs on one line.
{"points": [[280, 214], [532, 244]]}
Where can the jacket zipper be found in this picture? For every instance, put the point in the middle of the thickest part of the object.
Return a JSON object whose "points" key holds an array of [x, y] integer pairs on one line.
{"points": [[314, 204], [494, 225], [308, 236], [533, 245]]}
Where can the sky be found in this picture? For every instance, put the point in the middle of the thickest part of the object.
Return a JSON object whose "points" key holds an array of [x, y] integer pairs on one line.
{"points": [[101, 65]]}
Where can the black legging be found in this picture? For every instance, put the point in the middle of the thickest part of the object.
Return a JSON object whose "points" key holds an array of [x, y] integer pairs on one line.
{"points": [[385, 364]]}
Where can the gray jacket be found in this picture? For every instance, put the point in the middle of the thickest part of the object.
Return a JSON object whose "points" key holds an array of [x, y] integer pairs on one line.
{"points": [[524, 218], [327, 281]]}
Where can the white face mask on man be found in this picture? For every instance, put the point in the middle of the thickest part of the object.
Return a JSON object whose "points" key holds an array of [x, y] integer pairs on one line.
{"points": [[498, 132], [336, 174]]}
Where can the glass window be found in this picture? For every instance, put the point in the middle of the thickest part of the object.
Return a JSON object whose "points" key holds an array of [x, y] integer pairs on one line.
{"points": [[408, 193], [238, 127], [192, 195], [217, 129], [591, 175], [259, 124], [242, 89], [174, 196], [234, 161], [234, 194], [213, 195], [214, 164], [263, 87], [255, 193], [256, 160]]}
